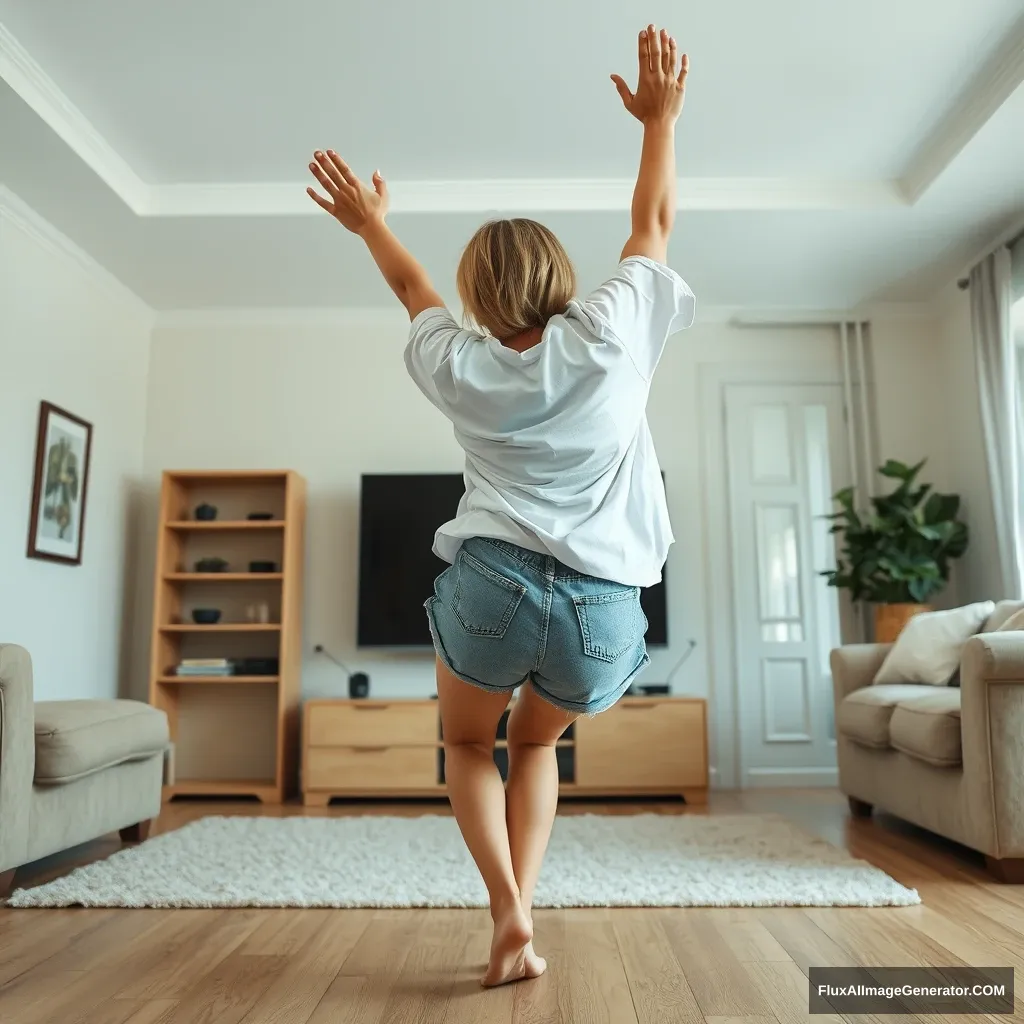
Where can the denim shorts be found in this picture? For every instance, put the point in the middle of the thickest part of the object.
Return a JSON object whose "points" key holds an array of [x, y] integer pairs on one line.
{"points": [[503, 615]]}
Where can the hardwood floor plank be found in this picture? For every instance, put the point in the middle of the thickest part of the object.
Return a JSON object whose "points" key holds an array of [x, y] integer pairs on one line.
{"points": [[351, 999], [35, 936], [153, 1011], [283, 932], [226, 994], [207, 937], [424, 987], [130, 1011], [746, 936], [468, 1002], [803, 940], [741, 1020], [307, 974], [384, 944], [593, 978], [784, 987], [658, 985], [717, 979]]}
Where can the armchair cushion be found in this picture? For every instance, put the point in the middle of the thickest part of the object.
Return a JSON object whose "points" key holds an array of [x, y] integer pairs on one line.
{"points": [[75, 738]]}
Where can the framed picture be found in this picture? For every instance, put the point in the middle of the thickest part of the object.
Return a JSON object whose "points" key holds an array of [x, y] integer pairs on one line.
{"points": [[59, 488]]}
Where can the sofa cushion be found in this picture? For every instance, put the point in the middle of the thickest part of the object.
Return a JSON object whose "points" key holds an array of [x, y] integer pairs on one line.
{"points": [[75, 738], [1002, 611], [928, 728], [864, 715]]}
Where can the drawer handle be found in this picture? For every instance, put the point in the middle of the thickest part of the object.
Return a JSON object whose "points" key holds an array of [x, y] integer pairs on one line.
{"points": [[369, 750], [638, 707], [371, 707]]}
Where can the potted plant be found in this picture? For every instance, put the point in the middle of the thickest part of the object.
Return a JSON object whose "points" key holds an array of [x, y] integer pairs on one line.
{"points": [[898, 555]]}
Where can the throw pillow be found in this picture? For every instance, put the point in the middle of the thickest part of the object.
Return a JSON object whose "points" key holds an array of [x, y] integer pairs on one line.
{"points": [[1015, 621], [928, 650]]}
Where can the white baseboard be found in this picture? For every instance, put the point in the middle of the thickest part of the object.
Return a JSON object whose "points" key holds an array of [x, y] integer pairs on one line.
{"points": [[770, 778]]}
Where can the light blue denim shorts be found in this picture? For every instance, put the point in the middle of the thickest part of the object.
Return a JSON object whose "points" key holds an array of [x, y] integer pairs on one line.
{"points": [[502, 616]]}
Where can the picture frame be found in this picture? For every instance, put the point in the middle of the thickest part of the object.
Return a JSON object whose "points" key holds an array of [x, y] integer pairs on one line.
{"points": [[60, 486]]}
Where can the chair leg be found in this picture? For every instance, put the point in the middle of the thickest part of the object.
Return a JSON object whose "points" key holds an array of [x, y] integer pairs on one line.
{"points": [[859, 808], [1008, 869], [137, 833], [7, 882]]}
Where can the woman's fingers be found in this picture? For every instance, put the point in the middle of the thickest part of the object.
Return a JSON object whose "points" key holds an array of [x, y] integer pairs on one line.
{"points": [[668, 57], [319, 200], [644, 55], [343, 168], [325, 179], [684, 69], [654, 48]]}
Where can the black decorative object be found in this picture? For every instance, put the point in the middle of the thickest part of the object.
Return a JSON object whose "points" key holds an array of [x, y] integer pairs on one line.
{"points": [[206, 513], [205, 616], [358, 685], [212, 565], [260, 515], [263, 567], [257, 666], [655, 689]]}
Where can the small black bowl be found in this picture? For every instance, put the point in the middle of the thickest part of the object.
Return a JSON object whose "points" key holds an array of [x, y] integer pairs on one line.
{"points": [[205, 616], [260, 515], [212, 565], [263, 567], [206, 513]]}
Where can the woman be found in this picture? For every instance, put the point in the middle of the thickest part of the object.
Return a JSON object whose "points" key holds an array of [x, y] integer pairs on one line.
{"points": [[564, 517]]}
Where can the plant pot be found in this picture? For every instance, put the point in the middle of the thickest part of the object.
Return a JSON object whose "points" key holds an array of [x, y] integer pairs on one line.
{"points": [[891, 618]]}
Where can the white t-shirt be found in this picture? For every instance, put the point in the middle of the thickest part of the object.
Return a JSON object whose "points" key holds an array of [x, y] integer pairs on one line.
{"points": [[559, 457]]}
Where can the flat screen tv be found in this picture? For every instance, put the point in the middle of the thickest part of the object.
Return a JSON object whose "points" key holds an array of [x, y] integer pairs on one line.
{"points": [[398, 516]]}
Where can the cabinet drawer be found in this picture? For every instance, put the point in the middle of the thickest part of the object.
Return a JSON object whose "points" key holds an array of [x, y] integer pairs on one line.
{"points": [[643, 744], [366, 768], [372, 724]]}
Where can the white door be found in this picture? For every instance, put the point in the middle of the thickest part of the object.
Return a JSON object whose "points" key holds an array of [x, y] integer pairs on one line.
{"points": [[786, 457]]}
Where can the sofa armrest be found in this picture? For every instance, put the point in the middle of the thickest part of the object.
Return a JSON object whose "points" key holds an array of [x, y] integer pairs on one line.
{"points": [[992, 731], [855, 666], [17, 753]]}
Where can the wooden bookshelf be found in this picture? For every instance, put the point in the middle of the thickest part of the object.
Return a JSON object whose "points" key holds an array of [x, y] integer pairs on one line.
{"points": [[238, 735]]}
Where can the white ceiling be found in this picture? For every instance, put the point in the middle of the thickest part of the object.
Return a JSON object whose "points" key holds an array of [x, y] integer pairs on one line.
{"points": [[830, 154]]}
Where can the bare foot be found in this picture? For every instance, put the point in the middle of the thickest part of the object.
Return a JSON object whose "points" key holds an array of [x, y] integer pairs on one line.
{"points": [[534, 965], [509, 948]]}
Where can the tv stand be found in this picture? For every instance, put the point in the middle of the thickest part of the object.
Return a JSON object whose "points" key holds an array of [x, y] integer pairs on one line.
{"points": [[644, 746]]}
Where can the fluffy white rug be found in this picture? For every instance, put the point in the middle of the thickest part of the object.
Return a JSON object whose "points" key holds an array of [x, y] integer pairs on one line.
{"points": [[594, 860]]}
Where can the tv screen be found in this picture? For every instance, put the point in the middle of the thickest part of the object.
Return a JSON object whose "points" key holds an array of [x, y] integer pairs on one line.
{"points": [[398, 516]]}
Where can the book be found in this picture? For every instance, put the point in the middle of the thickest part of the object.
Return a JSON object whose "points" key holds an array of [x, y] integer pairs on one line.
{"points": [[206, 662]]}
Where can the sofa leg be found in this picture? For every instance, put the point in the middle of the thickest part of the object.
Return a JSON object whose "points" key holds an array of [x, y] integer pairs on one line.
{"points": [[1008, 869], [859, 808], [137, 833], [7, 882]]}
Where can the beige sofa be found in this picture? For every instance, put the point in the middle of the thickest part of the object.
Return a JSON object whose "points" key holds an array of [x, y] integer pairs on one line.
{"points": [[71, 770], [948, 759]]}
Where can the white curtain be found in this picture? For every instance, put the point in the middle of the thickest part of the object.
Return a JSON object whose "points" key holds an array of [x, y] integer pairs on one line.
{"points": [[999, 385]]}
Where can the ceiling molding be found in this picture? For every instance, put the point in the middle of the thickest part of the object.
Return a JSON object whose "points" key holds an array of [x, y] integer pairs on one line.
{"points": [[51, 105], [18, 212], [284, 317], [529, 195], [990, 88]]}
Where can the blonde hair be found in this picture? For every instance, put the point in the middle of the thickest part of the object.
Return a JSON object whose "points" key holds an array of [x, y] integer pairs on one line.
{"points": [[514, 276]]}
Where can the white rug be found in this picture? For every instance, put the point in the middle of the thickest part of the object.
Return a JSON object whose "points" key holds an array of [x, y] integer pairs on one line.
{"points": [[642, 860]]}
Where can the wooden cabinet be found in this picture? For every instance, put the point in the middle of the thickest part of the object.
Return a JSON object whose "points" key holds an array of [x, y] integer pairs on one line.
{"points": [[643, 746]]}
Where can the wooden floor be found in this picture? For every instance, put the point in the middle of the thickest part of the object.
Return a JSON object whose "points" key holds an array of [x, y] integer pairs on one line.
{"points": [[620, 966]]}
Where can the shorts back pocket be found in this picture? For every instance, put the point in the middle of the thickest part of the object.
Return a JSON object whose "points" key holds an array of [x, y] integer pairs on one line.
{"points": [[611, 624], [484, 600]]}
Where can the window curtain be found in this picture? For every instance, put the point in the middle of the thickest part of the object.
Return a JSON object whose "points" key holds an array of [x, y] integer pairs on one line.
{"points": [[999, 385]]}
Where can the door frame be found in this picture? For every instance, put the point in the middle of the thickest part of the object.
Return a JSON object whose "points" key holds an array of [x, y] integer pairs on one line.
{"points": [[720, 616]]}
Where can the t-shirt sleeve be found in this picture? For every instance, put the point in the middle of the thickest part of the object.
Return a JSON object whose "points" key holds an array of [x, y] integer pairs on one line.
{"points": [[433, 337], [639, 307]]}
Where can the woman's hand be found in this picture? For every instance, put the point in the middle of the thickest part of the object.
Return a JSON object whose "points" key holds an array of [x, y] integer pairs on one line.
{"points": [[351, 203], [662, 86]]}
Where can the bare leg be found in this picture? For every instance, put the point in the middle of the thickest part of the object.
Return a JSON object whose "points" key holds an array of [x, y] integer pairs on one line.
{"points": [[469, 720], [532, 793]]}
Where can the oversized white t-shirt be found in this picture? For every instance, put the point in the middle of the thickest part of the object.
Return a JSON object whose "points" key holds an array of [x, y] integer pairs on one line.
{"points": [[559, 457]]}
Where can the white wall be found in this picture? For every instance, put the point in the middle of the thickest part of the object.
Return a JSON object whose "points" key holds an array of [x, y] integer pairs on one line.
{"points": [[332, 400], [72, 338]]}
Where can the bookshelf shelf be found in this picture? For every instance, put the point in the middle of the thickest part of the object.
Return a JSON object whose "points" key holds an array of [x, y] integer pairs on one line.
{"points": [[233, 735]]}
